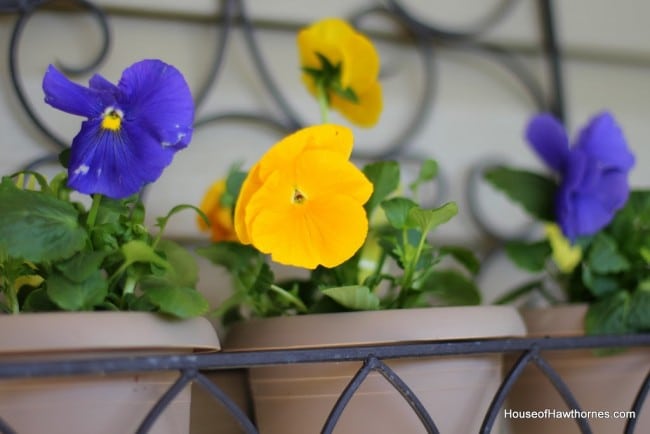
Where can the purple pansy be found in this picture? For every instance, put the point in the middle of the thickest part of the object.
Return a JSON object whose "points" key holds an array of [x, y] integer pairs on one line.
{"points": [[133, 129], [593, 172]]}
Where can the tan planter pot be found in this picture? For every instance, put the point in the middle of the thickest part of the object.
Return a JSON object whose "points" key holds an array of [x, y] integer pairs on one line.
{"points": [[96, 404], [606, 384], [208, 415], [455, 390]]}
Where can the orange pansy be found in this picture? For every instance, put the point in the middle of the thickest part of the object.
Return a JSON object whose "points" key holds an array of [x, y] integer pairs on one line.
{"points": [[303, 201]]}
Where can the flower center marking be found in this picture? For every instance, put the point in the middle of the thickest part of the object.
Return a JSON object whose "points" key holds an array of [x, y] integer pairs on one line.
{"points": [[112, 119], [298, 197]]}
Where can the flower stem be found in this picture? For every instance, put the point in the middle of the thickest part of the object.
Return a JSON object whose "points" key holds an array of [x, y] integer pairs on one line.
{"points": [[290, 298], [323, 102], [94, 208]]}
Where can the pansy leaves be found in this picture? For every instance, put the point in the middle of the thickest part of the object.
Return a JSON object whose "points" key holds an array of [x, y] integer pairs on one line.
{"points": [[534, 192], [354, 297], [77, 294], [428, 219], [181, 302], [36, 226], [529, 256], [385, 176]]}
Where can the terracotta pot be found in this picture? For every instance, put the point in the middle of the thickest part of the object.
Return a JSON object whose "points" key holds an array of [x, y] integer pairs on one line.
{"points": [[97, 404], [599, 383], [455, 390]]}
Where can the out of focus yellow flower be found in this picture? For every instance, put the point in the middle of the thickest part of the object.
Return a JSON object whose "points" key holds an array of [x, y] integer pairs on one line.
{"points": [[341, 67], [221, 222], [565, 256], [303, 201]]}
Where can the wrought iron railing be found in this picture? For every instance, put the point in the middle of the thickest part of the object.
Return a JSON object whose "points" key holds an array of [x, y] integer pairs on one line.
{"points": [[194, 367]]}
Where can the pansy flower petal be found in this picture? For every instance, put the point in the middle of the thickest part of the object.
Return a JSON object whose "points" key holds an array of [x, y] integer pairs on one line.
{"points": [[109, 164], [325, 231], [324, 174], [549, 140], [220, 217], [334, 138], [160, 99], [603, 139], [70, 97], [365, 114], [251, 185], [360, 63]]}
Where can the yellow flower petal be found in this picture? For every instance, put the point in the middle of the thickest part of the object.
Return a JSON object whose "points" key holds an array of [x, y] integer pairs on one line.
{"points": [[251, 184], [281, 156], [319, 232], [366, 112], [359, 61], [324, 174], [565, 256], [306, 210], [221, 222]]}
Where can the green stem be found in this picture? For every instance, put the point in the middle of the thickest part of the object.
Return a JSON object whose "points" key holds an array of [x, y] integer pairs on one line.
{"points": [[290, 298], [410, 267], [92, 214], [129, 285], [323, 102]]}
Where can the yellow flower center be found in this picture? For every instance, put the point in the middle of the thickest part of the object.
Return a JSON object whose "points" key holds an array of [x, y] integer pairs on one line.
{"points": [[298, 197], [112, 119]]}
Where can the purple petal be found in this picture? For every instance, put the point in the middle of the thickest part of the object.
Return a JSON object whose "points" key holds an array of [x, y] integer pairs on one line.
{"points": [[159, 100], [603, 140], [115, 164], [98, 82], [549, 140], [612, 190], [70, 97], [586, 217]]}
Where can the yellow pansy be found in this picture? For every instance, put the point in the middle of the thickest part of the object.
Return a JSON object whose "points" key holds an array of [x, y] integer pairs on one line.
{"points": [[303, 201], [357, 61], [565, 256], [221, 222]]}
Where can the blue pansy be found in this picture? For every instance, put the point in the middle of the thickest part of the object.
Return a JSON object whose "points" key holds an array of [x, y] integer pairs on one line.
{"points": [[593, 172], [132, 130]]}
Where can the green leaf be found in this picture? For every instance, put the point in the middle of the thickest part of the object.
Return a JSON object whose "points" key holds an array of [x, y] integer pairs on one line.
{"points": [[184, 270], [384, 176], [529, 256], [178, 301], [353, 297], [161, 222], [397, 211], [72, 296], [428, 172], [38, 301], [230, 255], [37, 227], [139, 251], [82, 265], [604, 257], [608, 316], [536, 193], [520, 291], [639, 315], [234, 181], [452, 288], [428, 219], [597, 284]]}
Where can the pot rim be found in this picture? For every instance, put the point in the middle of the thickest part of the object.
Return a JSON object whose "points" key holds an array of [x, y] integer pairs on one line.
{"points": [[376, 327], [104, 331]]}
